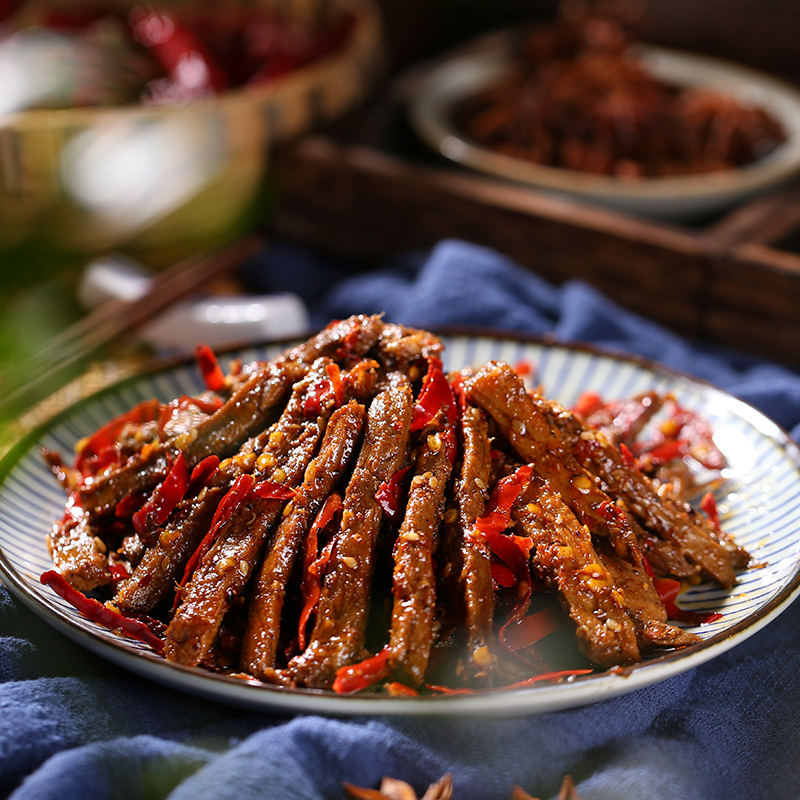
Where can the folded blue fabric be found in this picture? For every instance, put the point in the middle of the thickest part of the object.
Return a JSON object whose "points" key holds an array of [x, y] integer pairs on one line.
{"points": [[75, 726]]}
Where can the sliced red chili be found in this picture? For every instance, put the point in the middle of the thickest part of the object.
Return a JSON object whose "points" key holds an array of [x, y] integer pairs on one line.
{"points": [[390, 494], [497, 516], [314, 566], [549, 676], [435, 687], [100, 450], [163, 500], [235, 495], [202, 474], [668, 590], [267, 490], [397, 689], [119, 572], [359, 676], [184, 401], [588, 403], [97, 612], [532, 628], [709, 506], [436, 393], [213, 376], [628, 458]]}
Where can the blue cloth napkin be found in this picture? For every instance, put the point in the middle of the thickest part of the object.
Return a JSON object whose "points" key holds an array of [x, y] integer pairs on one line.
{"points": [[75, 726]]}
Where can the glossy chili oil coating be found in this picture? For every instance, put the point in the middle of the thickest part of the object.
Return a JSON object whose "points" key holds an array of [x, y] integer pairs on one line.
{"points": [[500, 391], [78, 553], [663, 515], [251, 408], [414, 582], [338, 636], [162, 564], [475, 579], [226, 567], [266, 604], [644, 606], [566, 556]]}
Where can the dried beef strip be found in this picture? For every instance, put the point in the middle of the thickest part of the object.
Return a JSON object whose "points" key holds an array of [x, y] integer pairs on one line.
{"points": [[475, 579], [399, 347], [250, 408], [414, 581], [226, 567], [163, 563], [622, 421], [566, 557], [500, 391], [664, 515], [646, 609], [78, 553], [338, 636], [266, 604]]}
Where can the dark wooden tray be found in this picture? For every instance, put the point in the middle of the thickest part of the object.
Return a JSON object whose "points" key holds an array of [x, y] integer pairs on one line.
{"points": [[366, 191]]}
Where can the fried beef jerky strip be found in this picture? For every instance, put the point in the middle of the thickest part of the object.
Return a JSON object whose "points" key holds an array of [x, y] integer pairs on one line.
{"points": [[77, 553], [623, 421], [565, 555], [249, 409], [475, 579], [163, 563], [338, 636], [692, 533], [499, 391], [646, 609], [414, 581], [225, 568], [266, 605]]}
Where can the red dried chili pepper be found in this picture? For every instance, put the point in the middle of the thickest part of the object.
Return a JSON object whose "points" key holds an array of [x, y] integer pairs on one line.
{"points": [[119, 572], [184, 401], [497, 516], [397, 689], [549, 676], [100, 450], [235, 495], [163, 500], [434, 687], [436, 393], [627, 457], [359, 676], [188, 62], [202, 474], [97, 612], [267, 490], [513, 551], [709, 506], [213, 376], [532, 628], [389, 495], [313, 566], [668, 590], [588, 403]]}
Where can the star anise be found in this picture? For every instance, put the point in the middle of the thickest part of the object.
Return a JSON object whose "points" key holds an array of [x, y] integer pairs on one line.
{"points": [[392, 789], [568, 791]]}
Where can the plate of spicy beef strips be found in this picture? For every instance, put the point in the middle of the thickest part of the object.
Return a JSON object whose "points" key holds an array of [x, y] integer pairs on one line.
{"points": [[382, 520]]}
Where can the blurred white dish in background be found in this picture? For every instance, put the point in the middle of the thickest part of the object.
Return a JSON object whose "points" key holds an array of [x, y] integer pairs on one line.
{"points": [[219, 322], [487, 60]]}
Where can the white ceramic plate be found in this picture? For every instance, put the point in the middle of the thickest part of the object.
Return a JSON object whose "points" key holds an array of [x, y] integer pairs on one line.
{"points": [[759, 504], [487, 60]]}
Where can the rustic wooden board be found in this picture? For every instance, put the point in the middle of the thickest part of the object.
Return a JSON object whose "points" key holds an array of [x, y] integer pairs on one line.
{"points": [[725, 283]]}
